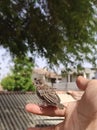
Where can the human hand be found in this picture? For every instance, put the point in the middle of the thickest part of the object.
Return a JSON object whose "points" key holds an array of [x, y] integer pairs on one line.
{"points": [[78, 115]]}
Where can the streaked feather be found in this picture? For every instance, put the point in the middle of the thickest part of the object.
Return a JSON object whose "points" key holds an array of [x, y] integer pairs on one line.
{"points": [[47, 94]]}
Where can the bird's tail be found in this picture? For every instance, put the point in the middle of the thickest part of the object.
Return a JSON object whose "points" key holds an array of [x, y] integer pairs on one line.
{"points": [[60, 106]]}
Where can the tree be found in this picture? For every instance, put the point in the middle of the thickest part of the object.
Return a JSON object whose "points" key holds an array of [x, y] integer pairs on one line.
{"points": [[62, 31], [21, 77], [22, 72]]}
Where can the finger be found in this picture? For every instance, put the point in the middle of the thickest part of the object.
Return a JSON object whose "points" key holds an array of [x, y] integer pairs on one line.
{"points": [[82, 82], [46, 111]]}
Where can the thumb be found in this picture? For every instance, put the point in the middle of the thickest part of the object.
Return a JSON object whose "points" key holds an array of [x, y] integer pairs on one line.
{"points": [[82, 82]]}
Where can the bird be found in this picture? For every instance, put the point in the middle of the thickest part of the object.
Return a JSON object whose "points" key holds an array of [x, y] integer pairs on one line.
{"points": [[47, 94]]}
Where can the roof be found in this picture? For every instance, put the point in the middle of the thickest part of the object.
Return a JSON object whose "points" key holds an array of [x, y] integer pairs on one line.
{"points": [[47, 73], [84, 70], [13, 115], [40, 71]]}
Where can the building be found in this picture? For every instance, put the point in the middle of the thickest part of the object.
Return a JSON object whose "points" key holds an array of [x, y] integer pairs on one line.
{"points": [[46, 75], [71, 74], [66, 81], [69, 77]]}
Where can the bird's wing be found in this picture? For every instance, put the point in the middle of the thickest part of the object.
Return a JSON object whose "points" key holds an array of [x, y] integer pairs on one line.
{"points": [[49, 95]]}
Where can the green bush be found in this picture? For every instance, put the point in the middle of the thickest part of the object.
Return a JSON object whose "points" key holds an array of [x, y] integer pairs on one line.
{"points": [[8, 83], [11, 84], [20, 79]]}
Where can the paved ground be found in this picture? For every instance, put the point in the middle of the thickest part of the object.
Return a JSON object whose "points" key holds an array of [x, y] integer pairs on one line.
{"points": [[65, 97], [72, 96]]}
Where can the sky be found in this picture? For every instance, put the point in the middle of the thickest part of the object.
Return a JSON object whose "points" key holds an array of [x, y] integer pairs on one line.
{"points": [[6, 63]]}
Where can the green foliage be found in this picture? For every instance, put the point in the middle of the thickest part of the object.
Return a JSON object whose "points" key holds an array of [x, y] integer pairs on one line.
{"points": [[62, 31], [20, 80], [8, 83]]}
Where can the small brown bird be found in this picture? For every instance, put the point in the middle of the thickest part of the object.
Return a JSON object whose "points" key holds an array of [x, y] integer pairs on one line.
{"points": [[47, 94]]}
